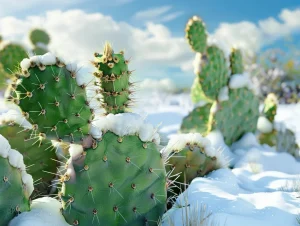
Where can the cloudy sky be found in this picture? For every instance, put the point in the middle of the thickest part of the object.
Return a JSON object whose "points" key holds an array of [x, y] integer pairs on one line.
{"points": [[150, 32]]}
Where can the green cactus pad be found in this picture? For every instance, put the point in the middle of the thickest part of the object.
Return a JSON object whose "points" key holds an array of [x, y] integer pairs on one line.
{"points": [[197, 120], [39, 36], [236, 62], [51, 99], [14, 193], [191, 156], [11, 56], [114, 75], [39, 155], [196, 34], [214, 72], [236, 116], [270, 107], [130, 191]]}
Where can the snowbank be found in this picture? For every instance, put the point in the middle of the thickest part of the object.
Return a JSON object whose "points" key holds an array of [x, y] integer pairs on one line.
{"points": [[44, 211]]}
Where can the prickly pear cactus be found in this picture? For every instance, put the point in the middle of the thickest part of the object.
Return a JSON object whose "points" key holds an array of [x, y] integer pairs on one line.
{"points": [[38, 153], [191, 156], [132, 187], [15, 186], [52, 96], [233, 109], [40, 39], [197, 120], [10, 57]]}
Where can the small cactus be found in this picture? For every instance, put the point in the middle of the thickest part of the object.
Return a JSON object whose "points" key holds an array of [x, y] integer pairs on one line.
{"points": [[233, 107], [15, 186], [275, 134]]}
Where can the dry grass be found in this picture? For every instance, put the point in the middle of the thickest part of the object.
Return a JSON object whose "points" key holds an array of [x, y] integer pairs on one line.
{"points": [[193, 216]]}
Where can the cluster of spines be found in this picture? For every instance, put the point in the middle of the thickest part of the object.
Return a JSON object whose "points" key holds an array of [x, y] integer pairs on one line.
{"points": [[21, 94]]}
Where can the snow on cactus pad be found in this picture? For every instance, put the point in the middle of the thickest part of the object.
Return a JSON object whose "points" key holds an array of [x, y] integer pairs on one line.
{"points": [[258, 191], [131, 189]]}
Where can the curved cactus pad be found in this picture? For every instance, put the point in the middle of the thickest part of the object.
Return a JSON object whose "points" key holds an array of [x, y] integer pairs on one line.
{"points": [[51, 99], [39, 155], [196, 34], [130, 191], [214, 73], [15, 184]]}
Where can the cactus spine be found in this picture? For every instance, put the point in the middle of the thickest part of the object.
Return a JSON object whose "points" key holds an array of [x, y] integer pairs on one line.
{"points": [[191, 156]]}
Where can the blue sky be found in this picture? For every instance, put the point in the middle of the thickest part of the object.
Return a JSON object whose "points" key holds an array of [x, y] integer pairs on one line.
{"points": [[266, 18]]}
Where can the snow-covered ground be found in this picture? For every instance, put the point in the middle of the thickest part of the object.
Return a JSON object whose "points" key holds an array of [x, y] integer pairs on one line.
{"points": [[260, 190]]}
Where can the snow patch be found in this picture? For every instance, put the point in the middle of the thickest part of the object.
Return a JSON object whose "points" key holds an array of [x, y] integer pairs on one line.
{"points": [[217, 141], [124, 124], [197, 63], [223, 94], [75, 150], [179, 141], [5, 147], [201, 103], [239, 81], [264, 125], [16, 116], [247, 141], [44, 211], [48, 59]]}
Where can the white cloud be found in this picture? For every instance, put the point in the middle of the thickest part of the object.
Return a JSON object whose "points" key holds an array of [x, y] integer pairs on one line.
{"points": [[158, 14], [252, 37], [165, 85], [76, 35]]}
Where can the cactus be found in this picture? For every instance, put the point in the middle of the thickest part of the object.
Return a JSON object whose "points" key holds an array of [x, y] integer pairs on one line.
{"points": [[16, 185], [191, 156], [53, 98], [39, 154], [114, 76], [233, 106], [40, 39], [275, 134], [132, 187]]}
